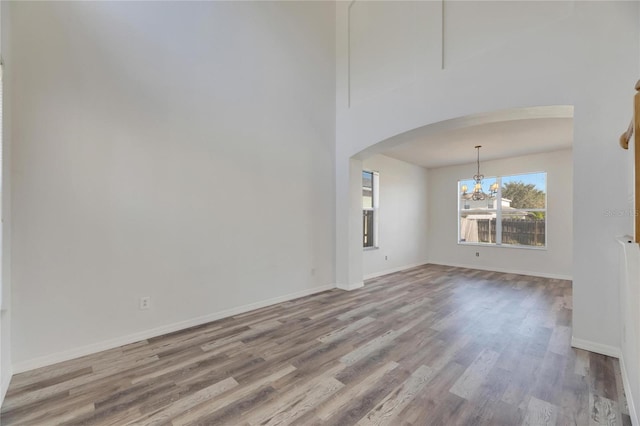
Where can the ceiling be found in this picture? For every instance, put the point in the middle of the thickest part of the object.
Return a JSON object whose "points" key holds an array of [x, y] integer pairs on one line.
{"points": [[501, 139]]}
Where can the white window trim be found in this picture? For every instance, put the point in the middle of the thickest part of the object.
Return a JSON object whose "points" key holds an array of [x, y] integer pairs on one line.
{"points": [[498, 210], [376, 204]]}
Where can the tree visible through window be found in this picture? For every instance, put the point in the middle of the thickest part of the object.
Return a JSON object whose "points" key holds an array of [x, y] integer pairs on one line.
{"points": [[514, 215]]}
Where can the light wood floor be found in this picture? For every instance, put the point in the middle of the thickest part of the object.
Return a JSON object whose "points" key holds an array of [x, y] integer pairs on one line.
{"points": [[429, 346]]}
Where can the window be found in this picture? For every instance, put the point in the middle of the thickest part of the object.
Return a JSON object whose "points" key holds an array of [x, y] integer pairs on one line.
{"points": [[515, 214], [369, 209]]}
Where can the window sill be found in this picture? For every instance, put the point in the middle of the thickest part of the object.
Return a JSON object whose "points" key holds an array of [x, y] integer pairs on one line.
{"points": [[511, 246], [370, 248]]}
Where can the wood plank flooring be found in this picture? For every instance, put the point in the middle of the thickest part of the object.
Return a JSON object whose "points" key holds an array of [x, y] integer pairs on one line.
{"points": [[432, 345]]}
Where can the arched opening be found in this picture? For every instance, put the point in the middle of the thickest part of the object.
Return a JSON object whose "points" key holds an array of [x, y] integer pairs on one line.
{"points": [[416, 215]]}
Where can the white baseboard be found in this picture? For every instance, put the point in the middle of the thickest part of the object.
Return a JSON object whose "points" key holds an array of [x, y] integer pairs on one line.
{"points": [[627, 391], [349, 287], [54, 358], [392, 270], [507, 271], [598, 348]]}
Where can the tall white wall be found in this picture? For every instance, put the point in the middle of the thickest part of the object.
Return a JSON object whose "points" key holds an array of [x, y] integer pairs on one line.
{"points": [[178, 150], [500, 55], [6, 369], [403, 212], [554, 261]]}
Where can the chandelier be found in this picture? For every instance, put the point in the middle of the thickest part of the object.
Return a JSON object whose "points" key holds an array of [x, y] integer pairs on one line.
{"points": [[478, 194]]}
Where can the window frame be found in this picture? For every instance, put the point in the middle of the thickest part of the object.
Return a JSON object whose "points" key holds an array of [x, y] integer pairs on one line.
{"points": [[375, 203], [498, 211]]}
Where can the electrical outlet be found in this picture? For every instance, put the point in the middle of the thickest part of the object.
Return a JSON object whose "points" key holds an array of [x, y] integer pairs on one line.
{"points": [[313, 272], [386, 258], [477, 254], [145, 302]]}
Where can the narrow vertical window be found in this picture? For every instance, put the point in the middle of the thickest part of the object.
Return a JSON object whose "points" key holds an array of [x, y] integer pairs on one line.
{"points": [[369, 209]]}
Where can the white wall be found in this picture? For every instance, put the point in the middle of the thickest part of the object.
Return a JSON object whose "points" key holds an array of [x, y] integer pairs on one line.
{"points": [[182, 151], [630, 317], [5, 310], [501, 55], [402, 230], [554, 261]]}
